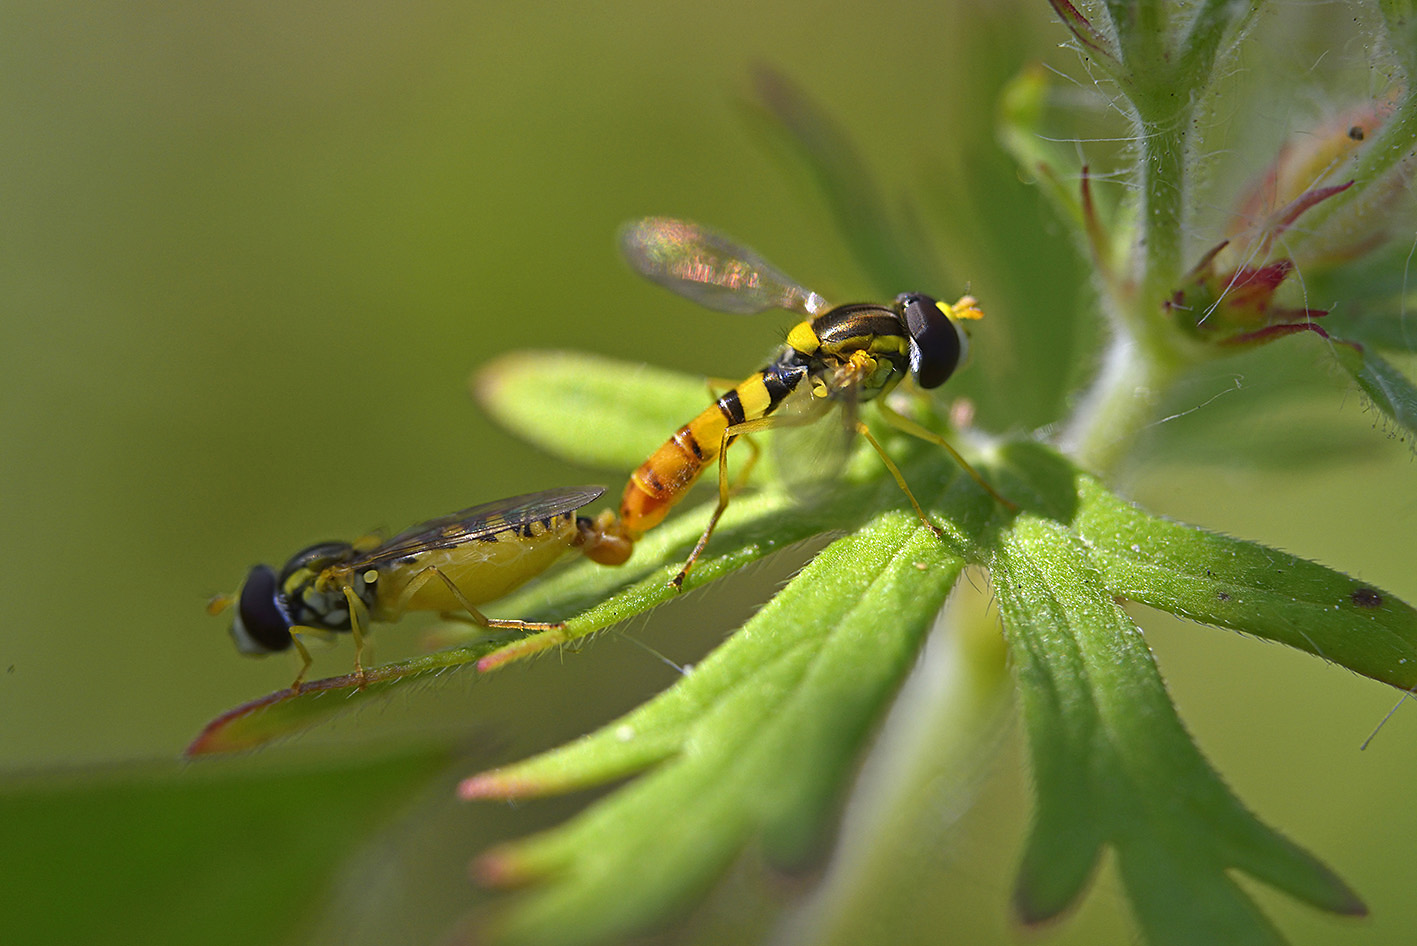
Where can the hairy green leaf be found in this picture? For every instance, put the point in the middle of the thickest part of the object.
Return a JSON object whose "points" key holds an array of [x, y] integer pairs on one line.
{"points": [[552, 398], [286, 712], [753, 746], [1231, 583], [754, 743], [1389, 389], [1113, 764]]}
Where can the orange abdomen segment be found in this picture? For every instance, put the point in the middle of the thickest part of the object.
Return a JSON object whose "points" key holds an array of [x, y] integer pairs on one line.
{"points": [[663, 479]]}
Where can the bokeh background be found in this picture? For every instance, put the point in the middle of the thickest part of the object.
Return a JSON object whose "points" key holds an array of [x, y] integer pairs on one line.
{"points": [[251, 255]]}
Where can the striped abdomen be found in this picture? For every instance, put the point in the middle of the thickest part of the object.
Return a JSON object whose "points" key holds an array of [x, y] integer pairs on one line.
{"points": [[663, 479]]}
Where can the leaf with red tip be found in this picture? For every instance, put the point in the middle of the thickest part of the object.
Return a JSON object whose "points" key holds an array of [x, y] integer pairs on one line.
{"points": [[286, 712], [1082, 29]]}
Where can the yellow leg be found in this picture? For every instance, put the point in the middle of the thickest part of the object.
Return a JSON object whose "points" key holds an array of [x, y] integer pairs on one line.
{"points": [[724, 491], [357, 615], [305, 658], [716, 386], [906, 425], [677, 581], [482, 620], [865, 431], [219, 603]]}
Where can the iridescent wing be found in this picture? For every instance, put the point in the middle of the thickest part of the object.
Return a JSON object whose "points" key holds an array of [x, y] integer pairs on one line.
{"points": [[481, 522], [707, 267]]}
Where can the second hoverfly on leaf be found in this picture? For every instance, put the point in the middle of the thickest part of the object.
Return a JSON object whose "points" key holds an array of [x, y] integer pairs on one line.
{"points": [[837, 356], [448, 565]]}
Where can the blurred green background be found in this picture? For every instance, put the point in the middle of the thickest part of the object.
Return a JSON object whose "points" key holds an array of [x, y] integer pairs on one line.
{"points": [[251, 254]]}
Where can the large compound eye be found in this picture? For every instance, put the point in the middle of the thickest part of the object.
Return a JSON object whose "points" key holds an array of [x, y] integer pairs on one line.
{"points": [[937, 344], [261, 625]]}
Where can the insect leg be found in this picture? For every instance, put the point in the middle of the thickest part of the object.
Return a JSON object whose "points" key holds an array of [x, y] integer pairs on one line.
{"points": [[865, 431], [433, 571], [358, 613], [716, 387], [305, 660], [724, 491], [906, 425], [219, 603]]}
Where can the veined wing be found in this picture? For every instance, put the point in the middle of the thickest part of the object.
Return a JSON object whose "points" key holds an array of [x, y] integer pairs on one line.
{"points": [[811, 447], [709, 268], [480, 522]]}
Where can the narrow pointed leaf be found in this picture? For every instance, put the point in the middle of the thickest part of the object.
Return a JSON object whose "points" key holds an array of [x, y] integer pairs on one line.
{"points": [[1091, 38], [285, 712], [755, 742], [1109, 750], [1389, 389], [1232, 583], [551, 398]]}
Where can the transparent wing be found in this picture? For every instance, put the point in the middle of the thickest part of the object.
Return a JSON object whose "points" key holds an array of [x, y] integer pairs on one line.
{"points": [[707, 267], [479, 522], [811, 447]]}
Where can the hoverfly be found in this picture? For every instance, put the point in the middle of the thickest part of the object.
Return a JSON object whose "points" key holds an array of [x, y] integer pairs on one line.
{"points": [[838, 356], [449, 565]]}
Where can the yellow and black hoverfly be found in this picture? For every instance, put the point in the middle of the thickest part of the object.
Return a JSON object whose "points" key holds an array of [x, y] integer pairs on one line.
{"points": [[449, 565], [837, 356]]}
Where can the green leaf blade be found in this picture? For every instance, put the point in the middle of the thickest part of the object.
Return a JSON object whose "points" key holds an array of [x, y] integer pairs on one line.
{"points": [[1110, 752], [1389, 389], [286, 712], [768, 725], [551, 398], [1241, 585]]}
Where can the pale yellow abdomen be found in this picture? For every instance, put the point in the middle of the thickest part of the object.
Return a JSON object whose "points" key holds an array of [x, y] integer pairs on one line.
{"points": [[483, 570]]}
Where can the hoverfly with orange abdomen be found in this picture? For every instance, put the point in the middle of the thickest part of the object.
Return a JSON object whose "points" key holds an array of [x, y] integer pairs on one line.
{"points": [[838, 356]]}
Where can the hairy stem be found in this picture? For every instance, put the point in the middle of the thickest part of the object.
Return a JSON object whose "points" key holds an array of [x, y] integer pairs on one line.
{"points": [[1120, 404]]}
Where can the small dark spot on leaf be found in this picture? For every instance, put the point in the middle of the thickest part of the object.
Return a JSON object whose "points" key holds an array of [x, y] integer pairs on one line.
{"points": [[1367, 597], [1356, 132], [1223, 595]]}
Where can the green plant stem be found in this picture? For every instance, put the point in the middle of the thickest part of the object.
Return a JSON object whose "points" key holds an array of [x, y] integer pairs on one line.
{"points": [[1162, 162], [1120, 404], [1147, 354]]}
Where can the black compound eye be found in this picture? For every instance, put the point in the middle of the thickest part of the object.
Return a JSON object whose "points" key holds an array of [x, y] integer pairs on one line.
{"points": [[937, 345], [261, 625]]}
